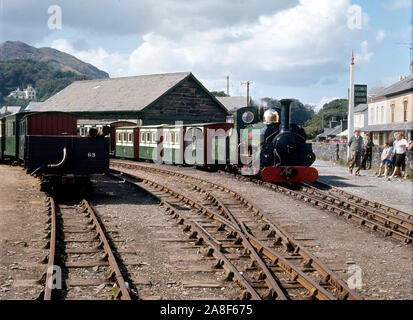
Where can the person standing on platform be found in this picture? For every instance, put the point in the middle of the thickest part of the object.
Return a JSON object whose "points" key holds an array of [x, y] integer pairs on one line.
{"points": [[355, 144], [385, 160], [368, 149], [400, 155]]}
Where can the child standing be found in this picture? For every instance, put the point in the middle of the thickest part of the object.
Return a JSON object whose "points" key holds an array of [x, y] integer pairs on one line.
{"points": [[385, 159]]}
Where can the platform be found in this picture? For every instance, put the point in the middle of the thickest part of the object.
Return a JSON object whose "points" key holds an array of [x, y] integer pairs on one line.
{"points": [[397, 193]]}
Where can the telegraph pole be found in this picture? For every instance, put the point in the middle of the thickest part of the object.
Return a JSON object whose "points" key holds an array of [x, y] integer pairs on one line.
{"points": [[248, 91], [228, 86], [350, 105]]}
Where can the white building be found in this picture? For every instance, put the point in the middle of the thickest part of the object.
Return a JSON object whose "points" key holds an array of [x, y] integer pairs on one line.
{"points": [[28, 94], [360, 116]]}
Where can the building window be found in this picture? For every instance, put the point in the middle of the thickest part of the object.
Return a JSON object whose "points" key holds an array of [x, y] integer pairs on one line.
{"points": [[392, 112], [382, 114], [405, 111]]}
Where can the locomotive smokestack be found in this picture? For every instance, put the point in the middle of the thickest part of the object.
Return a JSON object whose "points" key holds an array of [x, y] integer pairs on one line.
{"points": [[285, 114]]}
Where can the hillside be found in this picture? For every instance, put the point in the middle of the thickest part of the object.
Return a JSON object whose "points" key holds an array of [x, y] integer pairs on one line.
{"points": [[337, 108], [46, 80], [53, 58]]}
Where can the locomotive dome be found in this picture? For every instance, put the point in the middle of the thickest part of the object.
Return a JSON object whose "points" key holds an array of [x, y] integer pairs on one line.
{"points": [[271, 116]]}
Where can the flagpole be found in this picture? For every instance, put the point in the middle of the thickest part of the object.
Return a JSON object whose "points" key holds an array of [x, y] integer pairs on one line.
{"points": [[350, 106]]}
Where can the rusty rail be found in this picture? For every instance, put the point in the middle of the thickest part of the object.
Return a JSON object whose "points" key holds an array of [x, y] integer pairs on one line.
{"points": [[116, 275], [372, 204], [123, 292], [388, 224], [52, 250], [291, 245]]}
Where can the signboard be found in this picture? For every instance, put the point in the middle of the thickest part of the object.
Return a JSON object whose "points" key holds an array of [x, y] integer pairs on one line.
{"points": [[360, 94]]}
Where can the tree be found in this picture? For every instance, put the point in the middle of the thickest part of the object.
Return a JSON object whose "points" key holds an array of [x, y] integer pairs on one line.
{"points": [[219, 93], [20, 73], [337, 108]]}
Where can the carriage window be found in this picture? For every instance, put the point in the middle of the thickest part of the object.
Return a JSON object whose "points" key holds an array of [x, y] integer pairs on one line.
{"points": [[148, 137], [124, 137], [177, 137], [172, 137], [153, 137], [119, 137], [130, 137], [143, 137]]}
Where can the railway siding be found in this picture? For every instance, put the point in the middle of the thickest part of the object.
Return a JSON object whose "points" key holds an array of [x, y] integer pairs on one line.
{"points": [[341, 244]]}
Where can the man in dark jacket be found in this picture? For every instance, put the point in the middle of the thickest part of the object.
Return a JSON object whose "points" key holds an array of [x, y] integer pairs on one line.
{"points": [[355, 144], [368, 148]]}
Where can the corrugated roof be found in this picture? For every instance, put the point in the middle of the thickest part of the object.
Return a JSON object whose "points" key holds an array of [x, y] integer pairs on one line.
{"points": [[232, 103], [116, 94]]}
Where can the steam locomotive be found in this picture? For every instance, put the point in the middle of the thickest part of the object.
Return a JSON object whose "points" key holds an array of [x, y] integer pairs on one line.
{"points": [[256, 142]]}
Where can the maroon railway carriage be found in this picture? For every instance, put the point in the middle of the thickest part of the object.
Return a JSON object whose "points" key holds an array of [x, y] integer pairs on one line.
{"points": [[52, 123], [207, 153]]}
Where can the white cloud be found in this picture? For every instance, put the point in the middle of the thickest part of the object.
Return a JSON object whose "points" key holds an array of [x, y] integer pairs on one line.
{"points": [[364, 56], [322, 102], [381, 35], [397, 4], [296, 46]]}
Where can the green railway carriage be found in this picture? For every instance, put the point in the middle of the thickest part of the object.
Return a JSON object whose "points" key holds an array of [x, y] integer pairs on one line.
{"points": [[12, 133], [127, 144], [172, 151], [176, 144], [149, 138]]}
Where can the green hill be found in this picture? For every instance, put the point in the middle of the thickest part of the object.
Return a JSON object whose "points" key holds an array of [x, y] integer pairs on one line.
{"points": [[46, 80], [56, 59], [337, 108]]}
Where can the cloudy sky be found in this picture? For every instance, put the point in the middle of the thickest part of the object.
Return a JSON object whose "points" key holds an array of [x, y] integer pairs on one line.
{"points": [[287, 48]]}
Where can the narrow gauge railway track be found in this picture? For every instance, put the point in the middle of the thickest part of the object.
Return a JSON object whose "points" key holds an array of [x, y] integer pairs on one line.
{"points": [[79, 247], [279, 267], [378, 217], [365, 202]]}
